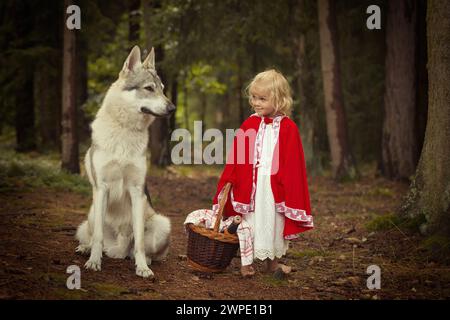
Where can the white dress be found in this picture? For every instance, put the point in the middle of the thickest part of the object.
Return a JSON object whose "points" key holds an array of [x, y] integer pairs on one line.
{"points": [[267, 224]]}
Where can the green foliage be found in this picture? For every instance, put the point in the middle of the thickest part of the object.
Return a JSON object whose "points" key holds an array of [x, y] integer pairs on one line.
{"points": [[438, 246], [21, 171], [390, 221], [201, 77], [381, 191], [211, 49]]}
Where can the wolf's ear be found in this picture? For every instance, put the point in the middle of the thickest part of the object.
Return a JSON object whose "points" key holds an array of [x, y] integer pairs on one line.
{"points": [[149, 62], [133, 61]]}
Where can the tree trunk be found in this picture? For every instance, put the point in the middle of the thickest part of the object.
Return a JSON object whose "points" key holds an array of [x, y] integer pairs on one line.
{"points": [[399, 144], [422, 76], [48, 104], [429, 192], [307, 111], [159, 130], [25, 118], [203, 105], [174, 99], [84, 129], [185, 103], [239, 85], [342, 161], [23, 82], [69, 137], [134, 18]]}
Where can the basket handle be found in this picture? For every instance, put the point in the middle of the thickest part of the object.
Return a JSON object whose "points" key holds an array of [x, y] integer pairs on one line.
{"points": [[222, 206]]}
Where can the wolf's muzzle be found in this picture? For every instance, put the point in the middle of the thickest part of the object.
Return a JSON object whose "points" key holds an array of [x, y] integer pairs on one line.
{"points": [[170, 108]]}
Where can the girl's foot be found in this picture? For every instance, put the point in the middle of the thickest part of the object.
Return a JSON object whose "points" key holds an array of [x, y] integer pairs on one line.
{"points": [[274, 265], [247, 271]]}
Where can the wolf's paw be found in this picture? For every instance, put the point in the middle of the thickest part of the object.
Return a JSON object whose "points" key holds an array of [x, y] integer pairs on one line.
{"points": [[144, 272], [83, 249], [95, 265], [116, 252]]}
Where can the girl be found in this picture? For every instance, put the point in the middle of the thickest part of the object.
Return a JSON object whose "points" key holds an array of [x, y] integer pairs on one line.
{"points": [[266, 168]]}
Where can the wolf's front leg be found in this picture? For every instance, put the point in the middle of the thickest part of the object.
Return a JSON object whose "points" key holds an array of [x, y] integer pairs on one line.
{"points": [[100, 198], [138, 202]]}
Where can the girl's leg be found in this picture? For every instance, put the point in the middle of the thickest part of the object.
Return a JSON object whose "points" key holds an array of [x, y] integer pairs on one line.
{"points": [[273, 265], [245, 235], [247, 271]]}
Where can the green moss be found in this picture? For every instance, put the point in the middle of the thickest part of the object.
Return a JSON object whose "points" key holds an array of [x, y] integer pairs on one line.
{"points": [[307, 253], [381, 223], [108, 289], [67, 294], [390, 221], [273, 282], [438, 247], [350, 177], [386, 192], [21, 171]]}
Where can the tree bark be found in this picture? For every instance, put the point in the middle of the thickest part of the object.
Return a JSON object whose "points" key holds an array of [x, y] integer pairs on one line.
{"points": [[399, 143], [422, 76], [307, 113], [159, 130], [429, 193], [84, 129], [48, 104], [342, 161], [25, 117], [134, 18], [185, 103], [69, 148], [24, 86]]}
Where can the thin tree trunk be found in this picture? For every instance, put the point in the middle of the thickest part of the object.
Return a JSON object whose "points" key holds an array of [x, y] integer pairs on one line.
{"points": [[399, 144], [203, 106], [239, 86], [25, 117], [48, 103], [342, 161], [185, 103], [134, 18], [69, 149], [159, 130], [429, 193], [174, 99], [82, 90], [307, 112], [306, 120], [24, 86], [422, 77]]}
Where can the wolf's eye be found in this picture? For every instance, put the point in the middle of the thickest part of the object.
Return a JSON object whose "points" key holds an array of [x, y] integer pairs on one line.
{"points": [[149, 88]]}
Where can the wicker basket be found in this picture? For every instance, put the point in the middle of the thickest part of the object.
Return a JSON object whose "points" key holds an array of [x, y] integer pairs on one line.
{"points": [[209, 250]]}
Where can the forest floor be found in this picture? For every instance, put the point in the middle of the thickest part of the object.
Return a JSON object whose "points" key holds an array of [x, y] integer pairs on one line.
{"points": [[37, 244]]}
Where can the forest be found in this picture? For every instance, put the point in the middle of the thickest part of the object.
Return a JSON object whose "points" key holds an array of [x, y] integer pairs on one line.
{"points": [[371, 99]]}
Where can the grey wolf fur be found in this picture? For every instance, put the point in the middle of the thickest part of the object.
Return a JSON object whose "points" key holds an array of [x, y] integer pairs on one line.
{"points": [[116, 165]]}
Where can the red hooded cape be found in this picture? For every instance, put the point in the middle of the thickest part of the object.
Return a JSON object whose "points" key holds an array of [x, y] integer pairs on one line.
{"points": [[288, 176]]}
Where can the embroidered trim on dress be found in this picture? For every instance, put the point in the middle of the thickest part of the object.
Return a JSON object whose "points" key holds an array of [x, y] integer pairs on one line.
{"points": [[295, 214]]}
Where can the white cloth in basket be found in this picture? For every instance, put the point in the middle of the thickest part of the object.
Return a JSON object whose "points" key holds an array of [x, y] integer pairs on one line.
{"points": [[244, 232]]}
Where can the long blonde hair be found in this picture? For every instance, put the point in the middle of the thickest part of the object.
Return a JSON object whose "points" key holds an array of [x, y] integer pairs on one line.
{"points": [[278, 87]]}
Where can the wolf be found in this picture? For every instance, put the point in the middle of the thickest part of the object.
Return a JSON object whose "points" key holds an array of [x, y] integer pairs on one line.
{"points": [[121, 221]]}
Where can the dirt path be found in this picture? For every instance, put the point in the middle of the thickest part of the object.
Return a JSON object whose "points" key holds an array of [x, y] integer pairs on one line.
{"points": [[37, 245]]}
